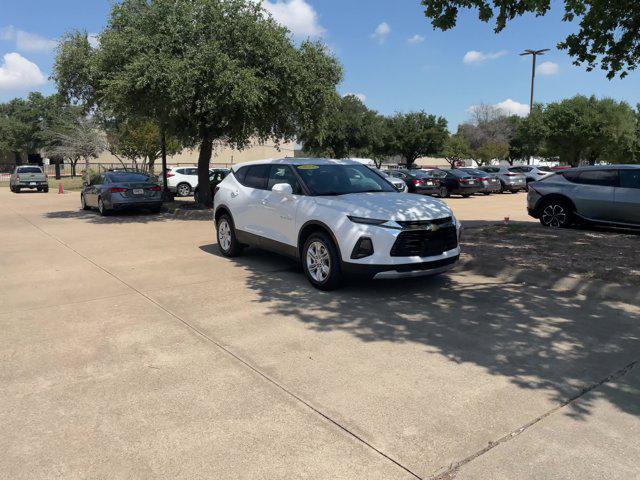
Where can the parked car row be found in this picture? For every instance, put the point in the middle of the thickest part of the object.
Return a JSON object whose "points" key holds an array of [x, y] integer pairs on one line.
{"points": [[461, 181]]}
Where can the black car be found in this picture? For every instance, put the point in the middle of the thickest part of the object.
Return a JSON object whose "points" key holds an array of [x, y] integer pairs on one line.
{"points": [[418, 181], [455, 182], [216, 175]]}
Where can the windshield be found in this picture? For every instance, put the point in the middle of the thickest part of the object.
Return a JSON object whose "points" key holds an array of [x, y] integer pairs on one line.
{"points": [[29, 170], [474, 172], [342, 179]]}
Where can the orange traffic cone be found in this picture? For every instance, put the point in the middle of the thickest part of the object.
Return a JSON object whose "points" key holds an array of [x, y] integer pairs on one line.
{"points": [[506, 220], [60, 190]]}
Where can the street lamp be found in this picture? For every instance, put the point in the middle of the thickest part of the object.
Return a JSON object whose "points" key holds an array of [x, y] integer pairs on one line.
{"points": [[534, 54]]}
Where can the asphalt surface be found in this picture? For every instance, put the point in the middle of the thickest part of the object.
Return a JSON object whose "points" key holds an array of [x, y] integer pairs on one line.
{"points": [[131, 349]]}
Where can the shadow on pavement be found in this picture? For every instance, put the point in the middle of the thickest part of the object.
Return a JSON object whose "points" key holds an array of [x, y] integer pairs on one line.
{"points": [[549, 341], [124, 216]]}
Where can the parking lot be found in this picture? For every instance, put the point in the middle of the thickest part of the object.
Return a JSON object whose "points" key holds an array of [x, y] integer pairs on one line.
{"points": [[132, 349]]}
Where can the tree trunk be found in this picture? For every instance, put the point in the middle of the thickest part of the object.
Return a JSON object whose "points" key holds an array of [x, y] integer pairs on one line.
{"points": [[206, 150], [73, 167], [87, 174], [163, 154]]}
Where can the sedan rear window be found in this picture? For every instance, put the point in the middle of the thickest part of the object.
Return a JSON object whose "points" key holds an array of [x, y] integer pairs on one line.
{"points": [[128, 177]]}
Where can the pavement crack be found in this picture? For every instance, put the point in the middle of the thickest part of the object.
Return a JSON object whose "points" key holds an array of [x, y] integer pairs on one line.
{"points": [[453, 469], [229, 352]]}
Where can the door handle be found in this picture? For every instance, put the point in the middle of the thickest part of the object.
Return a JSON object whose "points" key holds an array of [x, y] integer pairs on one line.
{"points": [[234, 194], [264, 202]]}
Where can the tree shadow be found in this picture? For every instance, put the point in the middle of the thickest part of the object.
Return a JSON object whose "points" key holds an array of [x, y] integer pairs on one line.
{"points": [[127, 216], [558, 343]]}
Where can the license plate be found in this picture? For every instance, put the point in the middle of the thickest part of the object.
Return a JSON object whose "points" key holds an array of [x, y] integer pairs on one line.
{"points": [[32, 183], [138, 191], [429, 183]]}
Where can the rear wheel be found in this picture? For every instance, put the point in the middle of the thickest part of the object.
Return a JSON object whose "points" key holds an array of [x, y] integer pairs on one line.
{"points": [[102, 208], [183, 190], [466, 195], [443, 192], [486, 193], [45, 189], [321, 262], [16, 189], [556, 213], [227, 240]]}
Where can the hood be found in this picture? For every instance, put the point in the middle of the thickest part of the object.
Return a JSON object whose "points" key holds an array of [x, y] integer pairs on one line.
{"points": [[388, 206]]}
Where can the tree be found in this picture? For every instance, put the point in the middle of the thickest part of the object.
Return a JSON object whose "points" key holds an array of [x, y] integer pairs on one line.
{"points": [[416, 134], [585, 129], [347, 127], [530, 134], [608, 33], [488, 132], [492, 150], [138, 140], [207, 70], [81, 140], [456, 148]]}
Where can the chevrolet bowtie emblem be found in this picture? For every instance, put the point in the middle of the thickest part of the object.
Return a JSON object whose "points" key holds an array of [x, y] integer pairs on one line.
{"points": [[434, 228]]}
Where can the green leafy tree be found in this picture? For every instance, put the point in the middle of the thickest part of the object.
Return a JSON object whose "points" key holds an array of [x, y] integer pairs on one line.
{"points": [[348, 128], [530, 134], [416, 134], [492, 150], [456, 148], [207, 70], [608, 31]]}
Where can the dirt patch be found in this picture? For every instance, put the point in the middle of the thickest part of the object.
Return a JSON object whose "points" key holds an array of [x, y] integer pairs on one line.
{"points": [[606, 255]]}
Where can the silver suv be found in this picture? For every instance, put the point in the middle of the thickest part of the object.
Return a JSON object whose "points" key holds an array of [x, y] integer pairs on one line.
{"points": [[509, 181], [602, 194]]}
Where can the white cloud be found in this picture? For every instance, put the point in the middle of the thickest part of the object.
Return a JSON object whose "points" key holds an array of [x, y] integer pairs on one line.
{"points": [[381, 32], [360, 96], [27, 42], [547, 68], [18, 73], [94, 40], [476, 57], [416, 39], [297, 15], [511, 107]]}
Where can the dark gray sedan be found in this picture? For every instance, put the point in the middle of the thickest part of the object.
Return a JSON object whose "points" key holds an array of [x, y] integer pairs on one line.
{"points": [[122, 190]]}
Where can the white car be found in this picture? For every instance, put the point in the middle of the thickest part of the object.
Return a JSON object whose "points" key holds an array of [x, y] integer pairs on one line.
{"points": [[337, 217], [182, 180]]}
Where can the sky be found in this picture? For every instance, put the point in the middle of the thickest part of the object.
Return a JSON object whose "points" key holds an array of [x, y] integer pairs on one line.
{"points": [[392, 57]]}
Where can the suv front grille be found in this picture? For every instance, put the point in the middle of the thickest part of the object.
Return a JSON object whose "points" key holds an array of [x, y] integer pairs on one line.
{"points": [[425, 243], [425, 224]]}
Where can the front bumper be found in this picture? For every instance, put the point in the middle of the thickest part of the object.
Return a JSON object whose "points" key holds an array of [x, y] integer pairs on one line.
{"points": [[403, 270]]}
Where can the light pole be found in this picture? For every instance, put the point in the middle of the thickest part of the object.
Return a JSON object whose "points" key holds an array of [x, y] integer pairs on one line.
{"points": [[534, 54]]}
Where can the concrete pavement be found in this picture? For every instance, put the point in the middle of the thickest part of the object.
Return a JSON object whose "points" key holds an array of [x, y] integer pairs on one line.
{"points": [[131, 349]]}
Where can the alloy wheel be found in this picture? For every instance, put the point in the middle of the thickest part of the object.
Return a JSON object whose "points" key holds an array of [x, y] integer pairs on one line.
{"points": [[224, 235], [554, 215], [184, 190], [318, 261]]}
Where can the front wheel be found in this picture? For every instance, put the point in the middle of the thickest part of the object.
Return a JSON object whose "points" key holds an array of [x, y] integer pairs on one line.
{"points": [[443, 192], [83, 201], [556, 214], [321, 262], [227, 241]]}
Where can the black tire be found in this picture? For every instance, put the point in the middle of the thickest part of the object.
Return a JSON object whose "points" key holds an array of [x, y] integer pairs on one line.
{"points": [[443, 192], [39, 189], [556, 213], [327, 276], [486, 193], [503, 187], [102, 209], [228, 245], [183, 190], [513, 191], [83, 202], [466, 195], [17, 189], [45, 189]]}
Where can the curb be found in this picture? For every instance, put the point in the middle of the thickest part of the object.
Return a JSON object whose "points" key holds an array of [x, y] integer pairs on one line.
{"points": [[196, 214], [578, 284]]}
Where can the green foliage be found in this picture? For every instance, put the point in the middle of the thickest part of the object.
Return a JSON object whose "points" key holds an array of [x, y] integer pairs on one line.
{"points": [[529, 136], [585, 129], [608, 32], [207, 70], [492, 150], [456, 148], [416, 134], [348, 128]]}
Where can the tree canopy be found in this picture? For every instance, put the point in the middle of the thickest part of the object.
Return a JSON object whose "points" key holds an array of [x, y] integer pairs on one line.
{"points": [[416, 134], [207, 70], [608, 31]]}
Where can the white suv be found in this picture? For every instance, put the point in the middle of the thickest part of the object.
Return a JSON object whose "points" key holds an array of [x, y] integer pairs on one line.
{"points": [[182, 180], [337, 217]]}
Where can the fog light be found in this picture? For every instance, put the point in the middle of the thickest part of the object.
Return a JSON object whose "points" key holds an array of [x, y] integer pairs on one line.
{"points": [[363, 248]]}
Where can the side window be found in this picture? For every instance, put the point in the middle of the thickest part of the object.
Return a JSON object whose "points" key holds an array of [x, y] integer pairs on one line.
{"points": [[603, 178], [181, 171], [192, 171], [283, 174], [630, 178], [257, 177], [240, 174]]}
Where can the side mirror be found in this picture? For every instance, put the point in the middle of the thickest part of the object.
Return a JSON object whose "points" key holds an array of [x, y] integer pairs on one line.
{"points": [[283, 188], [85, 184]]}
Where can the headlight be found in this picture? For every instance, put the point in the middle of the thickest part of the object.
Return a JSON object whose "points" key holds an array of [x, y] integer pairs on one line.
{"points": [[366, 221]]}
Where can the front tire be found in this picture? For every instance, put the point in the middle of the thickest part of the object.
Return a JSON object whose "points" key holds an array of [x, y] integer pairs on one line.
{"points": [[556, 213], [444, 192], [321, 262], [227, 240], [84, 203]]}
